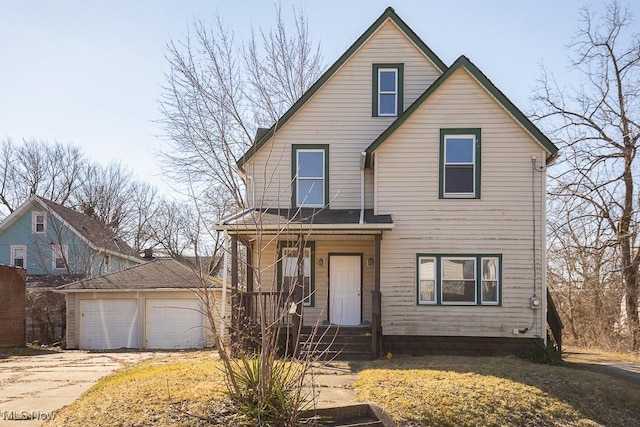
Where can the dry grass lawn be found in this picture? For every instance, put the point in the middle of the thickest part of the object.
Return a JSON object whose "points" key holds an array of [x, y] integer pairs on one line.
{"points": [[469, 391], [415, 391]]}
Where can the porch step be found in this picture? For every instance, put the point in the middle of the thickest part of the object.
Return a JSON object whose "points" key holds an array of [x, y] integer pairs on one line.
{"points": [[361, 415], [336, 343]]}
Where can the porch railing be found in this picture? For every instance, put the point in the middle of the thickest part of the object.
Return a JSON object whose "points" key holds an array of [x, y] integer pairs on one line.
{"points": [[265, 306], [554, 322]]}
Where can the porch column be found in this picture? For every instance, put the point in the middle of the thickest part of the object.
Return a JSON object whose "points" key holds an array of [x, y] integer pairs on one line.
{"points": [[249, 278], [298, 295], [235, 298], [376, 306]]}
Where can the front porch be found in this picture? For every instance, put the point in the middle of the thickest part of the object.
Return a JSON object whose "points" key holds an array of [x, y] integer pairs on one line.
{"points": [[314, 276]]}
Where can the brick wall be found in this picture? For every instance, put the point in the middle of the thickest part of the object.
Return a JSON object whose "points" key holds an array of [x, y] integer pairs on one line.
{"points": [[12, 306]]}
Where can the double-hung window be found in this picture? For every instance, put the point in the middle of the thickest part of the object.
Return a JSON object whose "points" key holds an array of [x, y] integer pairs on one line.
{"points": [[19, 256], [310, 166], [59, 256], [387, 89], [38, 222], [460, 163], [288, 271], [459, 279]]}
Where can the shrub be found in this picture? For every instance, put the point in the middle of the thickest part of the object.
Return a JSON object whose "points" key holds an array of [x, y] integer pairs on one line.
{"points": [[544, 354]]}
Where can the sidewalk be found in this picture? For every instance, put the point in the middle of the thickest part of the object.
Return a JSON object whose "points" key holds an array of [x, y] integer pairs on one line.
{"points": [[627, 369]]}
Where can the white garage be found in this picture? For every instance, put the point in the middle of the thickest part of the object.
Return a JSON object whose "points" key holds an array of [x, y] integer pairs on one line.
{"points": [[174, 324], [109, 323], [156, 305]]}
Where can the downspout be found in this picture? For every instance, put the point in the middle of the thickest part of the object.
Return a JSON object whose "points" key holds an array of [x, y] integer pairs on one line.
{"points": [[363, 160], [253, 191]]}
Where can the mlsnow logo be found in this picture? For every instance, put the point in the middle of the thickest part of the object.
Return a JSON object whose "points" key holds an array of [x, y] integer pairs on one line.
{"points": [[26, 415]]}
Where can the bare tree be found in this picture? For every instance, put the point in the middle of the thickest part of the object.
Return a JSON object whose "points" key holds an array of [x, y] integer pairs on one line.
{"points": [[53, 171], [598, 123], [218, 92], [60, 173], [215, 92]]}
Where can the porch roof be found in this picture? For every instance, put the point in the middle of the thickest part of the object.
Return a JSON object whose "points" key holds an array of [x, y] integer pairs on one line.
{"points": [[322, 220]]}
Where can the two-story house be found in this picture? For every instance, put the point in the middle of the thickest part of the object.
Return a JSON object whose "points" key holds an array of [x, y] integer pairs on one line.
{"points": [[48, 239], [406, 197]]}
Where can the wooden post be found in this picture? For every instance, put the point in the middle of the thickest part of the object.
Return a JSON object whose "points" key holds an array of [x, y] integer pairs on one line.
{"points": [[235, 299], [249, 276], [376, 307]]}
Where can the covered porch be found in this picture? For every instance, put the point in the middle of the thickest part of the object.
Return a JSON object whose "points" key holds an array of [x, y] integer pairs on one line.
{"points": [[315, 274]]}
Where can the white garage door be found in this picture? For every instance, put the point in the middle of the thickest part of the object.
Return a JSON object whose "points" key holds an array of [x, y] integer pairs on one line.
{"points": [[109, 324], [174, 323]]}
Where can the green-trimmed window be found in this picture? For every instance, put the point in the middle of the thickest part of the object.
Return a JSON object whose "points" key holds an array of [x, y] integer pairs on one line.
{"points": [[460, 163], [459, 279], [288, 270], [387, 89], [310, 175]]}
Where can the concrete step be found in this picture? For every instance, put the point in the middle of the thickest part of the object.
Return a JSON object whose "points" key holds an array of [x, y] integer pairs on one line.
{"points": [[361, 415]]}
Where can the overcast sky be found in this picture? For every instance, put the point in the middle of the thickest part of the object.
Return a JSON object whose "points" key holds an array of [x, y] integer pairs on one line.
{"points": [[90, 72]]}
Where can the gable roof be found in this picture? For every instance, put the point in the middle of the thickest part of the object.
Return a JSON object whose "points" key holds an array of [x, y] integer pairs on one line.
{"points": [[92, 231], [464, 62], [161, 273], [263, 136]]}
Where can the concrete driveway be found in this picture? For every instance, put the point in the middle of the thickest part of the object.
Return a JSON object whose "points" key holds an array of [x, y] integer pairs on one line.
{"points": [[33, 387]]}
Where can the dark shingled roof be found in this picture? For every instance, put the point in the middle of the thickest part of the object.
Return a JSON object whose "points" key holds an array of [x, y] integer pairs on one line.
{"points": [[308, 216], [161, 273], [260, 132], [94, 231]]}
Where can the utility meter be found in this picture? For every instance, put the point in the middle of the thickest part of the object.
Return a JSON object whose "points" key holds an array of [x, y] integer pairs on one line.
{"points": [[536, 303]]}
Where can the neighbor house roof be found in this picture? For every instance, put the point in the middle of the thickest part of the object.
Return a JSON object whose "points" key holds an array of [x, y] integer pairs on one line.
{"points": [[161, 273], [92, 231], [464, 62], [307, 218], [262, 135]]}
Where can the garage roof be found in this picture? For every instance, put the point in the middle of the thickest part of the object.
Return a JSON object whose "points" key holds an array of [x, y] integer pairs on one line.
{"points": [[161, 273]]}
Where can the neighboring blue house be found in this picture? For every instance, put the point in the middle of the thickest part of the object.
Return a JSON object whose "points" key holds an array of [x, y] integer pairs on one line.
{"points": [[49, 239]]}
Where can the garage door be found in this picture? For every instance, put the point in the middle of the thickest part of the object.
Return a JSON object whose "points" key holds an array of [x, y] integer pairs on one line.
{"points": [[174, 324], [109, 324]]}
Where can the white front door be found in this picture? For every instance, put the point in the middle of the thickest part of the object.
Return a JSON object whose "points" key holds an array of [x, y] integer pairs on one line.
{"points": [[345, 289]]}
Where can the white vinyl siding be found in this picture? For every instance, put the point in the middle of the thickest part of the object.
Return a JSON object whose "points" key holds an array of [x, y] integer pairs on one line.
{"points": [[340, 114], [500, 222]]}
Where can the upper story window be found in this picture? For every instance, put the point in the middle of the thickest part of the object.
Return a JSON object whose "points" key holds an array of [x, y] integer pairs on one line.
{"points": [[310, 166], [387, 89], [460, 163], [38, 222], [19, 256]]}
